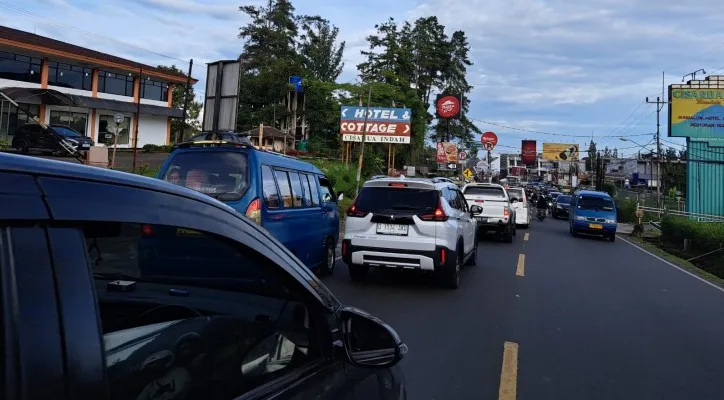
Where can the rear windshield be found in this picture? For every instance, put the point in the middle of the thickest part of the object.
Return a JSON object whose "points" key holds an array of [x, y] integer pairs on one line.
{"points": [[67, 132], [387, 200], [485, 191], [555, 195], [223, 175], [564, 199], [515, 194], [595, 203]]}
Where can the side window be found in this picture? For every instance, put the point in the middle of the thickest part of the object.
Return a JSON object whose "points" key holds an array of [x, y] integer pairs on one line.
{"points": [[462, 201], [269, 187], [297, 191], [313, 189], [325, 187], [177, 321], [307, 191], [285, 189]]}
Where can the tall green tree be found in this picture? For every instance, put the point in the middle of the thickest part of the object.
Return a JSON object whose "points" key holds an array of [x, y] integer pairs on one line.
{"points": [[591, 162], [321, 54], [193, 110]]}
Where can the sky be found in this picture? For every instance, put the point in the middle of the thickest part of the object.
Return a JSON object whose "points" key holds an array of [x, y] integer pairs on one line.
{"points": [[553, 71]]}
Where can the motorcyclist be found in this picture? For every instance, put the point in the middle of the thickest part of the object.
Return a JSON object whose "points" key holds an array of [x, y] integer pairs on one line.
{"points": [[542, 204]]}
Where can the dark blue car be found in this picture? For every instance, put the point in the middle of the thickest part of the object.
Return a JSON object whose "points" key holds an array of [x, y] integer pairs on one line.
{"points": [[593, 213]]}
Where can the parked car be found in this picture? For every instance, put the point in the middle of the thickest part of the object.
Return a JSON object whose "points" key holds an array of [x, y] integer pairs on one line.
{"points": [[83, 319], [562, 206], [290, 198], [410, 224], [519, 204], [33, 137], [496, 212], [593, 213]]}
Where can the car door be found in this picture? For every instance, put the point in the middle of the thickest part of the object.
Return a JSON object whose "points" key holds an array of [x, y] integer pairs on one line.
{"points": [[330, 209], [469, 225]]}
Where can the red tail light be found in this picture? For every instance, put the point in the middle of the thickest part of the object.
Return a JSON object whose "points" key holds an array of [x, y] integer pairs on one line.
{"points": [[437, 215], [443, 256], [353, 211], [344, 249], [506, 211], [147, 230], [253, 212]]}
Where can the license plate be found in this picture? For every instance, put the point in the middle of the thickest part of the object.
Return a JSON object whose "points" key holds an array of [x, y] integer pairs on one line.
{"points": [[85, 145], [481, 219], [595, 226], [186, 232], [392, 229]]}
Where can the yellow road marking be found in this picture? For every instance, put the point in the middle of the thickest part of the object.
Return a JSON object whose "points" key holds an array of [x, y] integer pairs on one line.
{"points": [[527, 235], [520, 269], [509, 372]]}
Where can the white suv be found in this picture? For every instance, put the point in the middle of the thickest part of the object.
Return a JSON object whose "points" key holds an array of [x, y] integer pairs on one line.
{"points": [[411, 224]]}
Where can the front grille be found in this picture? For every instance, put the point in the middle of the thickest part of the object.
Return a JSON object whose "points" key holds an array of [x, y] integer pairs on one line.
{"points": [[591, 219]]}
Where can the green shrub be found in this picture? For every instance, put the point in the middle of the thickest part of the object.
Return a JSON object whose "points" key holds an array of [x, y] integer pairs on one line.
{"points": [[704, 237], [626, 210], [154, 148], [3, 144], [609, 188]]}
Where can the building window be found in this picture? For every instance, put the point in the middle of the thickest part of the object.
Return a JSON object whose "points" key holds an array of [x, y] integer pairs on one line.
{"points": [[112, 83], [11, 118], [76, 120], [17, 67], [153, 90], [69, 76], [107, 127]]}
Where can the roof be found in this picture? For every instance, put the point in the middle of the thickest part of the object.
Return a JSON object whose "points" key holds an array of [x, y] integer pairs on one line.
{"points": [[284, 161], [30, 41], [412, 183], [594, 193]]}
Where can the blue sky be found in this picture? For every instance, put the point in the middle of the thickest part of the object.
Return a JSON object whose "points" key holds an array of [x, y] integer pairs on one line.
{"points": [[556, 66]]}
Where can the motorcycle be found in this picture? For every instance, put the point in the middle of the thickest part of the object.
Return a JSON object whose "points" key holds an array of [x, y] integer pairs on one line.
{"points": [[541, 215]]}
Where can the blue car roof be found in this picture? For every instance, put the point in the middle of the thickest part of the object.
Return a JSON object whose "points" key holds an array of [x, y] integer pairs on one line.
{"points": [[594, 193], [264, 157]]}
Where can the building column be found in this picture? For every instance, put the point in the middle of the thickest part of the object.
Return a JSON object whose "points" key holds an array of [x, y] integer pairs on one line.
{"points": [[44, 69], [168, 119], [133, 139], [94, 82]]}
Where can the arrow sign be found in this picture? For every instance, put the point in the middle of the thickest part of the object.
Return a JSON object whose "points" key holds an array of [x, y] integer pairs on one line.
{"points": [[344, 112], [452, 166], [407, 129]]}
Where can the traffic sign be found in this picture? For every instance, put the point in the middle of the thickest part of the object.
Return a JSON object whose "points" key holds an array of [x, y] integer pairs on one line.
{"points": [[488, 146], [468, 173], [489, 137], [452, 166], [462, 156], [448, 107]]}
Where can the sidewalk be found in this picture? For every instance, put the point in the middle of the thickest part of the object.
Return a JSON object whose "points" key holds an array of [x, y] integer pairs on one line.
{"points": [[625, 229]]}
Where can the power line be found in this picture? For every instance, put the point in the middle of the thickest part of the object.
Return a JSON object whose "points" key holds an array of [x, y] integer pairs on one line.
{"points": [[31, 14], [548, 133]]}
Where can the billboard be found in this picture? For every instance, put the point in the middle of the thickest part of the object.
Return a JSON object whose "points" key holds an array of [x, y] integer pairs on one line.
{"points": [[528, 153], [697, 113], [560, 152], [384, 125], [447, 153]]}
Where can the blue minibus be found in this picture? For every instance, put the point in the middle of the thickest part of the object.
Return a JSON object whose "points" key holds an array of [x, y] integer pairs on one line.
{"points": [[593, 213]]}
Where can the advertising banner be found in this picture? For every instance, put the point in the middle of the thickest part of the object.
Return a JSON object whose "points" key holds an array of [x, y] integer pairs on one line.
{"points": [[696, 113], [447, 153], [560, 152], [528, 153], [384, 125]]}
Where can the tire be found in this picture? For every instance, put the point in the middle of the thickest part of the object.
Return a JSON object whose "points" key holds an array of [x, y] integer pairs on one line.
{"points": [[573, 233], [612, 238], [473, 260], [451, 276], [507, 237], [358, 272], [23, 148], [525, 226], [330, 258]]}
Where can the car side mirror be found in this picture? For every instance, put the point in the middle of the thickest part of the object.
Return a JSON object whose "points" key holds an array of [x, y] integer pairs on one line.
{"points": [[368, 341], [327, 198], [340, 197], [475, 210]]}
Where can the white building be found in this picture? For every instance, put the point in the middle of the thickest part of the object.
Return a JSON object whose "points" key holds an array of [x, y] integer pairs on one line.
{"points": [[71, 85]]}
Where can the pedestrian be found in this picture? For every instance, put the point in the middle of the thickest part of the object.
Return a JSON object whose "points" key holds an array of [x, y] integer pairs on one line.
{"points": [[626, 184]]}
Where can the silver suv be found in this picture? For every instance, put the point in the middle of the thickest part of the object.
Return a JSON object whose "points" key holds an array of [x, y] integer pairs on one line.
{"points": [[410, 224]]}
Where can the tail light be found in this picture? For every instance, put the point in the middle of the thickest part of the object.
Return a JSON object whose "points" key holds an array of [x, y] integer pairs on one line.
{"points": [[146, 230], [353, 211], [443, 256], [480, 201], [506, 211], [437, 215], [253, 212], [344, 248]]}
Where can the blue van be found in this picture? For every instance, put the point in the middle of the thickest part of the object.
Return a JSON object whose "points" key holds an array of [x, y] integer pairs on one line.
{"points": [[290, 198], [593, 213]]}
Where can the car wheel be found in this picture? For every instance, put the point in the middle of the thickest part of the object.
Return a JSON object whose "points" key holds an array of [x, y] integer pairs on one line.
{"points": [[330, 259], [451, 276], [612, 238], [473, 260], [357, 272], [573, 233], [508, 237]]}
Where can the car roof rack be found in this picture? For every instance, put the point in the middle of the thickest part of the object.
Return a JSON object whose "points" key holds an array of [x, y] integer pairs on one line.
{"points": [[225, 139]]}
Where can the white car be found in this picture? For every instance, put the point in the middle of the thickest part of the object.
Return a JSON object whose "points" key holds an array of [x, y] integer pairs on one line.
{"points": [[496, 212], [410, 224], [519, 203]]}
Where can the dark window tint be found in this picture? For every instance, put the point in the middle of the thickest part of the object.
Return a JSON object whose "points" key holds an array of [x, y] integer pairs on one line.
{"points": [[231, 327], [19, 68], [595, 203], [462, 204], [485, 191], [307, 190], [314, 190], [555, 195], [325, 187], [269, 187], [387, 200], [223, 175], [69, 76], [563, 199], [153, 90], [515, 194], [12, 118], [64, 131], [284, 188], [75, 120], [112, 83], [297, 192]]}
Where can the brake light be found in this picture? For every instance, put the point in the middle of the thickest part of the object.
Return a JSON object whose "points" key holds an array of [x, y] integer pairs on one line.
{"points": [[397, 184], [344, 248], [147, 230], [352, 211], [506, 211], [438, 215], [253, 212], [443, 256], [480, 201]]}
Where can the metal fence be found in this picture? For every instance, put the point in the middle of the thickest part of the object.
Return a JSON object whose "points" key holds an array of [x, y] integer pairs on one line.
{"points": [[661, 212]]}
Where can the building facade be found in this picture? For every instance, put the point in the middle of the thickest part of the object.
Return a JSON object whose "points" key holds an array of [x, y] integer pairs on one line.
{"points": [[66, 84]]}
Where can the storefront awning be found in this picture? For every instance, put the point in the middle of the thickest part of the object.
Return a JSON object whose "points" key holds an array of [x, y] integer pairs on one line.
{"points": [[56, 98]]}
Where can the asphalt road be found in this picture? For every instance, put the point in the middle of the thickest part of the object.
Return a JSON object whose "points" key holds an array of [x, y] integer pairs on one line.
{"points": [[553, 317]]}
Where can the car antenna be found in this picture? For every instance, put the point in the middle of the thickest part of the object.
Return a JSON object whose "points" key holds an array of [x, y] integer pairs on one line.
{"points": [[58, 138]]}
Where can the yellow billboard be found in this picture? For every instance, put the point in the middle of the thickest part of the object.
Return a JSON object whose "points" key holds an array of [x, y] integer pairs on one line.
{"points": [[560, 152]]}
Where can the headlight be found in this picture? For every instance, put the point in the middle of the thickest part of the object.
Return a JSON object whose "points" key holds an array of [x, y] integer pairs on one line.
{"points": [[610, 221], [558, 206], [580, 218]]}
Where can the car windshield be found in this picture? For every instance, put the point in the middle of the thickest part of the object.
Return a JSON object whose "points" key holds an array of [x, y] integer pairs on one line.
{"points": [[392, 199], [595, 203], [491, 191], [555, 195], [67, 132], [515, 194], [222, 175], [563, 199]]}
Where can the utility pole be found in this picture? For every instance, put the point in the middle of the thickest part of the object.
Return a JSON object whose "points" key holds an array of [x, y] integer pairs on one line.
{"points": [[659, 106], [364, 137]]}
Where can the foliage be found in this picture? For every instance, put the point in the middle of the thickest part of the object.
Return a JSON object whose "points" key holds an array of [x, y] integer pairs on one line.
{"points": [[704, 237], [674, 176], [591, 161], [152, 148], [3, 144], [192, 111], [318, 48], [626, 210]]}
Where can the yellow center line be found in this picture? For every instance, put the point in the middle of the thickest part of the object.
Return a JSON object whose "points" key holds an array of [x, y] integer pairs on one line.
{"points": [[509, 372], [520, 270], [527, 235]]}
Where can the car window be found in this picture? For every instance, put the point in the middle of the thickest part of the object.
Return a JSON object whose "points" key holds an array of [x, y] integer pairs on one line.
{"points": [[67, 132], [325, 187], [485, 191], [223, 175], [307, 200], [297, 192], [396, 200], [515, 194], [269, 187], [563, 199], [595, 203], [285, 188], [314, 190], [463, 204], [206, 318]]}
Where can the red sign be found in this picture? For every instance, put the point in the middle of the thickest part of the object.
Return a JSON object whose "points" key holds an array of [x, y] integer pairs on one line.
{"points": [[441, 155], [528, 152], [448, 107], [376, 128], [489, 137]]}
